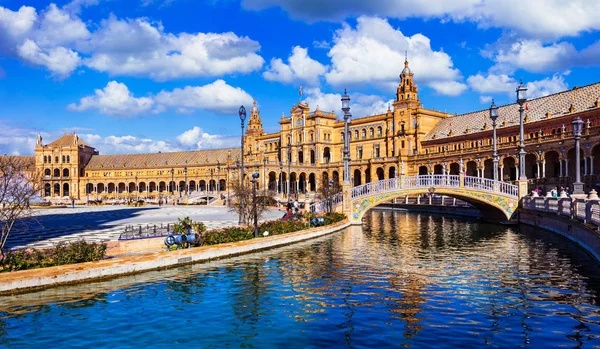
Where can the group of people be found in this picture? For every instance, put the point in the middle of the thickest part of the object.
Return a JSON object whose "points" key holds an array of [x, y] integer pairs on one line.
{"points": [[554, 192]]}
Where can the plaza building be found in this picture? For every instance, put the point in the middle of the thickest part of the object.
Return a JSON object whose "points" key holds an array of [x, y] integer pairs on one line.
{"points": [[307, 152]]}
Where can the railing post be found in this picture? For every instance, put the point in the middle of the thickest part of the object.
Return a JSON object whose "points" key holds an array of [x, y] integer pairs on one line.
{"points": [[588, 212], [522, 188], [461, 180], [401, 181]]}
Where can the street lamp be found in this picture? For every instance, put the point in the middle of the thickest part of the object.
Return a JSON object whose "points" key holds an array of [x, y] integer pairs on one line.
{"points": [[577, 128], [330, 196], [218, 176], [347, 116], [172, 181], [280, 178], [242, 114], [289, 181], [254, 211], [521, 99], [494, 116], [227, 185], [185, 185]]}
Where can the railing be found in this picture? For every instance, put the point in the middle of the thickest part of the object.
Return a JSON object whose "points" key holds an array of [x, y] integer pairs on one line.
{"points": [[322, 205], [144, 232], [452, 181], [585, 210], [491, 185]]}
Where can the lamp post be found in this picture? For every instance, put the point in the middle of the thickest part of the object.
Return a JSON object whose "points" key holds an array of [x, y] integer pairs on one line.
{"points": [[218, 176], [577, 129], [521, 99], [254, 212], [172, 181], [242, 114], [281, 178], [330, 197], [210, 186], [347, 116], [289, 181], [494, 116], [185, 185], [227, 184], [265, 173]]}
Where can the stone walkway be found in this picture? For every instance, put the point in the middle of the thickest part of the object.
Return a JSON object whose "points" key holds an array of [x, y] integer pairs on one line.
{"points": [[106, 223]]}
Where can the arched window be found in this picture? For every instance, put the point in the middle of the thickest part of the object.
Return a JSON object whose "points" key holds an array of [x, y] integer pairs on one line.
{"points": [[364, 133], [68, 159], [66, 172], [56, 172], [356, 134], [45, 159], [47, 172], [342, 136], [371, 132], [379, 131], [56, 159]]}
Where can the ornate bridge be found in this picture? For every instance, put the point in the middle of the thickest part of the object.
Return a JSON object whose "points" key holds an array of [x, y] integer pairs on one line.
{"points": [[496, 200]]}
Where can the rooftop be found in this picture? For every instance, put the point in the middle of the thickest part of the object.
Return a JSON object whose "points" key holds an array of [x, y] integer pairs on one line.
{"points": [[537, 109]]}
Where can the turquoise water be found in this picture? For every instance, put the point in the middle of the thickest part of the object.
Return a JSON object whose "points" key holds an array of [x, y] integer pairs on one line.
{"points": [[403, 280]]}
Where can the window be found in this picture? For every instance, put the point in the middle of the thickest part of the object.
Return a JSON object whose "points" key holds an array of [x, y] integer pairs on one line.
{"points": [[402, 128], [68, 159], [379, 131], [64, 159], [45, 159], [356, 134], [377, 153], [56, 160], [342, 136], [402, 144], [359, 153], [371, 132], [364, 133]]}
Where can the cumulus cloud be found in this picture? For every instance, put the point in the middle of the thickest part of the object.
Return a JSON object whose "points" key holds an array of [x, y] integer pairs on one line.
{"points": [[22, 141], [492, 83], [533, 18], [59, 40], [374, 51], [218, 97], [300, 68], [196, 138], [503, 84], [116, 99], [532, 56], [141, 48], [361, 105], [60, 61]]}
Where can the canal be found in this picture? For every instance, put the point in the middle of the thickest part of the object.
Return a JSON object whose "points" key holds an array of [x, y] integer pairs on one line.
{"points": [[401, 280]]}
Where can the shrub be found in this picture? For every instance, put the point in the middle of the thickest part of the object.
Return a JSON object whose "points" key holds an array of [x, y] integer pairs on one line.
{"points": [[63, 253]]}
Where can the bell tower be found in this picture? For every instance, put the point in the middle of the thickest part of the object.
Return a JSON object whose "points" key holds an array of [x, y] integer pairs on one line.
{"points": [[407, 91], [255, 123]]}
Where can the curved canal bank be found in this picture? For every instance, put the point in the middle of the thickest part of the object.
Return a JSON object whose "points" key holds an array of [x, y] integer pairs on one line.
{"points": [[29, 280]]}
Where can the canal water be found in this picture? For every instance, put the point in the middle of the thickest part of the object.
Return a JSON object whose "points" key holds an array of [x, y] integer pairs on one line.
{"points": [[402, 280]]}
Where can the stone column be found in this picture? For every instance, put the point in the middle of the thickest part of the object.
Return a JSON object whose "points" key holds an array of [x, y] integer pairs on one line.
{"points": [[543, 168], [591, 169], [566, 167], [560, 163]]}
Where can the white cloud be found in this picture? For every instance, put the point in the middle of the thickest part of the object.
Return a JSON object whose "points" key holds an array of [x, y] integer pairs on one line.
{"points": [[196, 138], [374, 53], [503, 84], [114, 99], [546, 86], [533, 56], [300, 68], [22, 141], [218, 97], [533, 18], [492, 83], [141, 48], [60, 61], [360, 105], [133, 47], [485, 99], [57, 27]]}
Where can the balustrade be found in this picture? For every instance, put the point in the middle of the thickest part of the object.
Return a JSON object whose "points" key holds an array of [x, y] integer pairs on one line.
{"points": [[587, 211]]}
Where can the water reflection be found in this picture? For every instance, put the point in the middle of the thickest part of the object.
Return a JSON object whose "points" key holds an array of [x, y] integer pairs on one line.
{"points": [[412, 280]]}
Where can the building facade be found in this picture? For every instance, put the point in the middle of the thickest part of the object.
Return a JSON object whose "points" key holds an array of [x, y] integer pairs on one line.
{"points": [[307, 152]]}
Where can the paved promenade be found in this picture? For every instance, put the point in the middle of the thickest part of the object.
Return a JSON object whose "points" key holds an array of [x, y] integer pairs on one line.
{"points": [[106, 223]]}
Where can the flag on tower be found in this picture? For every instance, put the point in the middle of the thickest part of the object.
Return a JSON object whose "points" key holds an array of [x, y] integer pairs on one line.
{"points": [[526, 106]]}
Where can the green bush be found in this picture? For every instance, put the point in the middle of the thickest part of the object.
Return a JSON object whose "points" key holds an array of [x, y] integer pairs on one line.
{"points": [[63, 253]]}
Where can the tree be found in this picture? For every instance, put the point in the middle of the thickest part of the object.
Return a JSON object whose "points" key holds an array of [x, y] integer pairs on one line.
{"points": [[19, 184], [264, 198]]}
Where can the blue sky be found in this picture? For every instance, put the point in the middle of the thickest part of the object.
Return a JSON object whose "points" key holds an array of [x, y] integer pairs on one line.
{"points": [[159, 75]]}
